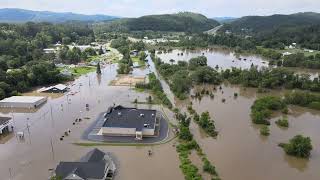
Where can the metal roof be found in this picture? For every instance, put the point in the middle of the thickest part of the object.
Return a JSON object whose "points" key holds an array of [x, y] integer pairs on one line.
{"points": [[22, 99], [122, 117]]}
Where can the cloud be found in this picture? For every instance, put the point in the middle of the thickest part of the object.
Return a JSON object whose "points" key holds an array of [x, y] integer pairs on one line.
{"points": [[134, 8]]}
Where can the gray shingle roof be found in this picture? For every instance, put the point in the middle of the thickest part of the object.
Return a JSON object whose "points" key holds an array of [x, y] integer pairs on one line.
{"points": [[4, 120], [130, 118], [91, 166], [85, 170]]}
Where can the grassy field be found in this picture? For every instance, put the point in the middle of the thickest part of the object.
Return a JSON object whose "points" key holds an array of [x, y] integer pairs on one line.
{"points": [[136, 59], [294, 51], [78, 71]]}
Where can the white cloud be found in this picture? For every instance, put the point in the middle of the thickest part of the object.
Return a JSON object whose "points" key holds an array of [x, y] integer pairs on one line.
{"points": [[135, 8]]}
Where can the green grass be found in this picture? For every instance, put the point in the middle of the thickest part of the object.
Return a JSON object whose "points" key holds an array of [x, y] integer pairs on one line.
{"points": [[136, 59], [78, 71], [293, 51]]}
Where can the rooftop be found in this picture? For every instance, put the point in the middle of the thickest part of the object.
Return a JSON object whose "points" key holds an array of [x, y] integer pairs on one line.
{"points": [[4, 120], [60, 87], [22, 99], [91, 166], [130, 118]]}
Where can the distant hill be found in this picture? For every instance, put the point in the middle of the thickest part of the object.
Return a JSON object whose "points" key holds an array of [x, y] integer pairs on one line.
{"points": [[20, 16], [180, 22], [276, 31], [224, 19], [258, 24]]}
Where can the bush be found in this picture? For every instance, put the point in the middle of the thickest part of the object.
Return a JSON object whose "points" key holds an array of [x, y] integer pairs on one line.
{"points": [[283, 122], [298, 146], [262, 108], [264, 130], [208, 167]]}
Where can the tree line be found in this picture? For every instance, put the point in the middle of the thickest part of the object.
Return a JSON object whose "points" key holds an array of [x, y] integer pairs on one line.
{"points": [[23, 64]]}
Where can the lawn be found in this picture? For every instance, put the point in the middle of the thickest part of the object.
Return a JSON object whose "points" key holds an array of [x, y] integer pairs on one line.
{"points": [[136, 59], [78, 71]]}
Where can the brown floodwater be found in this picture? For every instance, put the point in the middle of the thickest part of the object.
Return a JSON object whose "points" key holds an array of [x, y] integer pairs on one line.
{"points": [[225, 59], [239, 152], [41, 150]]}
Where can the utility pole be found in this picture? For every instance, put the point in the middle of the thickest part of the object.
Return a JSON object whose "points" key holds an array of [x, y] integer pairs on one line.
{"points": [[10, 173], [52, 150]]}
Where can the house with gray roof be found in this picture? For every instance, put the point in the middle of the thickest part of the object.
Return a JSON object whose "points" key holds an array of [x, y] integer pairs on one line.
{"points": [[5, 125], [95, 165], [122, 121]]}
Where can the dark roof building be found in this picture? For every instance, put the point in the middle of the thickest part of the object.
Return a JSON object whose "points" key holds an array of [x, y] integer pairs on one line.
{"points": [[121, 121], [94, 165]]}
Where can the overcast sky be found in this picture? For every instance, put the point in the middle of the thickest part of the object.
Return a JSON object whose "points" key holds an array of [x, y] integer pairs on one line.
{"points": [[135, 8]]}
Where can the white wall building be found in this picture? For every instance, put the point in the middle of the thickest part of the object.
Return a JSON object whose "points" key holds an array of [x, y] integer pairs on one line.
{"points": [[22, 102]]}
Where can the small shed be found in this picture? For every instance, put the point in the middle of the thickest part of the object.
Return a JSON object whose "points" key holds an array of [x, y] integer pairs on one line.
{"points": [[59, 88], [5, 124], [23, 101]]}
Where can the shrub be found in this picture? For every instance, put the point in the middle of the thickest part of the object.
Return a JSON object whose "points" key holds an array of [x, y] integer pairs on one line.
{"points": [[264, 130], [283, 122], [298, 146]]}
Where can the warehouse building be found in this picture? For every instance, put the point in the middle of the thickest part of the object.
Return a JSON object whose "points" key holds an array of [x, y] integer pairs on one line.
{"points": [[22, 102], [121, 121]]}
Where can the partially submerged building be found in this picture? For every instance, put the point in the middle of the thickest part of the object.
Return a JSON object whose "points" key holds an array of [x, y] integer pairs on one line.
{"points": [[5, 125], [59, 88], [95, 165], [23, 102], [121, 121]]}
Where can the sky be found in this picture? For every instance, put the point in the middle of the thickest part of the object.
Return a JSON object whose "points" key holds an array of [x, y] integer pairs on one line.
{"points": [[136, 8]]}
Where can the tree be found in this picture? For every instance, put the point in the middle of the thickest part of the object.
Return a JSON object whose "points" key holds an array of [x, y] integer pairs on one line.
{"points": [[298, 146], [185, 134], [100, 50], [98, 68]]}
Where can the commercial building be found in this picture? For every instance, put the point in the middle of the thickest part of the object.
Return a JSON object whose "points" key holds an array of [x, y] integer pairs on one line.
{"points": [[95, 165], [121, 121], [22, 102]]}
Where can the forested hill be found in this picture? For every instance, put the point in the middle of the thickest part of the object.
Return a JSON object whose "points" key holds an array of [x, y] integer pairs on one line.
{"points": [[20, 16], [260, 24], [278, 30], [180, 22]]}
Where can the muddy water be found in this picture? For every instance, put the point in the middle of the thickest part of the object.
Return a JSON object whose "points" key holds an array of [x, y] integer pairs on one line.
{"points": [[226, 59], [41, 150], [240, 152], [223, 58]]}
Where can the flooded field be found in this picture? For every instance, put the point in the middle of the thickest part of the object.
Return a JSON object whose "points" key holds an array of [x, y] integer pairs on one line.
{"points": [[34, 157], [226, 59], [223, 58], [239, 152]]}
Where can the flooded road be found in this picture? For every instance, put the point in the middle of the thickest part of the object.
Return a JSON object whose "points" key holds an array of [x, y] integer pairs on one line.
{"points": [[34, 157], [239, 152]]}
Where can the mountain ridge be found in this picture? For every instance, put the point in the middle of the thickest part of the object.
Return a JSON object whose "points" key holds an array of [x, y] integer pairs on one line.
{"points": [[15, 15]]}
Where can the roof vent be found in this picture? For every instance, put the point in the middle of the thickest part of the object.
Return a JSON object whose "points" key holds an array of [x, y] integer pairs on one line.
{"points": [[141, 115], [152, 114], [119, 113], [145, 125]]}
